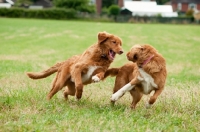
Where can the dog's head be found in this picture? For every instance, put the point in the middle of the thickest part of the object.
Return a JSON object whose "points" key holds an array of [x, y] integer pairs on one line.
{"points": [[140, 53], [110, 45]]}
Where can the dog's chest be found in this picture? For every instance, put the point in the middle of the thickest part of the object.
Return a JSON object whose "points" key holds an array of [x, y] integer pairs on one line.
{"points": [[148, 82], [87, 76]]}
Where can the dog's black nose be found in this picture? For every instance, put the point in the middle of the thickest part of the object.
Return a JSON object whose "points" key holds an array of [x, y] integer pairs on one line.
{"points": [[121, 52]]}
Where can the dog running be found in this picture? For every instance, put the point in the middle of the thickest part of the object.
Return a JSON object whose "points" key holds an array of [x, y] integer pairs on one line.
{"points": [[83, 69]]}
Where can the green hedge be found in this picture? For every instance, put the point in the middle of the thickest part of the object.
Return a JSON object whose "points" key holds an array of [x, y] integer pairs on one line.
{"points": [[53, 13]]}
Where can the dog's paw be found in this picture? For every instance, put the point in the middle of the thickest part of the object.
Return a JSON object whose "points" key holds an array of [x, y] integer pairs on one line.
{"points": [[95, 79], [112, 103], [66, 97], [77, 99], [115, 97], [148, 105]]}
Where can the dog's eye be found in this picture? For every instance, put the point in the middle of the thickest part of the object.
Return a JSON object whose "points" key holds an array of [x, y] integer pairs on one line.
{"points": [[135, 57], [114, 42]]}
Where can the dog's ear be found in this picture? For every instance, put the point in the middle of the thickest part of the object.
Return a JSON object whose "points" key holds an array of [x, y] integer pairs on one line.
{"points": [[102, 36], [142, 48], [128, 56]]}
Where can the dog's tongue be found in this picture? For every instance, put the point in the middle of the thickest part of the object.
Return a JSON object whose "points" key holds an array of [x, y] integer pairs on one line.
{"points": [[112, 54]]}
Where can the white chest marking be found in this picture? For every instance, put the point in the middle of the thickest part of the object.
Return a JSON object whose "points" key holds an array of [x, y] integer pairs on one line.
{"points": [[148, 82], [87, 76]]}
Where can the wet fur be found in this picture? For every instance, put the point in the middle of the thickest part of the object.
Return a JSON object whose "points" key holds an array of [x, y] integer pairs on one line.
{"points": [[82, 69], [129, 73]]}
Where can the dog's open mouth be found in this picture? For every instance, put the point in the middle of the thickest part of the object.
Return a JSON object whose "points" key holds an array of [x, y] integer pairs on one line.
{"points": [[112, 54]]}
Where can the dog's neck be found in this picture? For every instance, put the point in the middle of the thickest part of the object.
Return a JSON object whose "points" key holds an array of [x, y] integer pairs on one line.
{"points": [[104, 56], [100, 50], [146, 61]]}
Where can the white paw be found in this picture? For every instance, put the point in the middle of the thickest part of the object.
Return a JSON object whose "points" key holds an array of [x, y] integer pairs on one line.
{"points": [[95, 79], [116, 96], [148, 105]]}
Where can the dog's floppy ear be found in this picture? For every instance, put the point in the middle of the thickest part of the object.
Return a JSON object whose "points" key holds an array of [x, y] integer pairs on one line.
{"points": [[142, 47], [102, 36]]}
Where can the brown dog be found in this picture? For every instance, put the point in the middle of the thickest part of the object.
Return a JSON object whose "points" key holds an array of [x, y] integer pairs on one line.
{"points": [[83, 69], [148, 73]]}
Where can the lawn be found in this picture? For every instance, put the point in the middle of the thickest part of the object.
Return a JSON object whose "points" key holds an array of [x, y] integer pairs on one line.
{"points": [[34, 45]]}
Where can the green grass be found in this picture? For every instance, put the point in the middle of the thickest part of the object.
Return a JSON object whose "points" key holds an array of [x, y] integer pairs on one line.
{"points": [[34, 45]]}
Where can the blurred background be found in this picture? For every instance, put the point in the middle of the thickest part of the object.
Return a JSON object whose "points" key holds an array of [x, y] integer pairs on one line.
{"points": [[132, 11]]}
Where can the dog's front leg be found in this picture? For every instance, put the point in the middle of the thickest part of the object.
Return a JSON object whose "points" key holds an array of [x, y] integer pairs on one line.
{"points": [[98, 77], [121, 92]]}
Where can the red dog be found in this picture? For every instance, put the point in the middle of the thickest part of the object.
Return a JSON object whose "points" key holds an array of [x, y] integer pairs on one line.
{"points": [[146, 73], [83, 69]]}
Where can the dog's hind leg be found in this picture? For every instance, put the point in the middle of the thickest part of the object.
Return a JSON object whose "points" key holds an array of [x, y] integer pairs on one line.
{"points": [[120, 81], [70, 90], [58, 83], [78, 80], [154, 97], [136, 96]]}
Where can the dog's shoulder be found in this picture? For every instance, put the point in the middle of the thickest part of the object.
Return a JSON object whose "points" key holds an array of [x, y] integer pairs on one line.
{"points": [[153, 67]]}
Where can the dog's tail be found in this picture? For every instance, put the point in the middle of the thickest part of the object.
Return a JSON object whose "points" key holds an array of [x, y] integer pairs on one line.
{"points": [[111, 72], [45, 73]]}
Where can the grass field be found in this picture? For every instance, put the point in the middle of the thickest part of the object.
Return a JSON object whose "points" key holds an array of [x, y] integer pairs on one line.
{"points": [[34, 45]]}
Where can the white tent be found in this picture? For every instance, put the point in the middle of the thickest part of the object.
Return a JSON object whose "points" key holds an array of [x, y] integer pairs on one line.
{"points": [[149, 8]]}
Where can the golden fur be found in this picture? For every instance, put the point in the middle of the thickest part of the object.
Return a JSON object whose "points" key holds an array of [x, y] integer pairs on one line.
{"points": [[83, 69], [147, 59]]}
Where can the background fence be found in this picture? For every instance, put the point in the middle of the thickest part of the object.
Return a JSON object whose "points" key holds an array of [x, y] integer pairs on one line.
{"points": [[59, 13], [145, 19]]}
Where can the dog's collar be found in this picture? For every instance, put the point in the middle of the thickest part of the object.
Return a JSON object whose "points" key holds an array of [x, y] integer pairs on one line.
{"points": [[146, 61], [104, 56]]}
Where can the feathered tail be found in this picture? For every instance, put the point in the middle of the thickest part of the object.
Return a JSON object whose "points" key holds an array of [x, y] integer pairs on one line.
{"points": [[46, 73]]}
